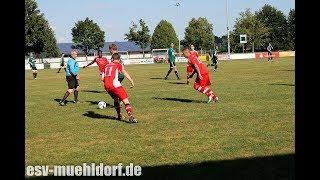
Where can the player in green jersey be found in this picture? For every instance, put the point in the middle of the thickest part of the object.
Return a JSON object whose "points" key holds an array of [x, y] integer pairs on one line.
{"points": [[32, 63], [172, 63]]}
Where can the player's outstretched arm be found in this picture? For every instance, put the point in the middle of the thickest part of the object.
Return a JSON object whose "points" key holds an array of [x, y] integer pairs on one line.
{"points": [[189, 76], [127, 75], [93, 61]]}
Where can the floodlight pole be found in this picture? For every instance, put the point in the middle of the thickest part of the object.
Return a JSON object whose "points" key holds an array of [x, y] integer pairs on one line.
{"points": [[178, 5], [228, 29]]}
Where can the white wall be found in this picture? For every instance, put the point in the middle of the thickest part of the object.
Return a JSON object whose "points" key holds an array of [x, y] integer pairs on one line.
{"points": [[242, 56], [134, 59], [38, 65], [138, 56]]}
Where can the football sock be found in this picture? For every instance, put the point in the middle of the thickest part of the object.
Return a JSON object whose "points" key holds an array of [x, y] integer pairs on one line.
{"points": [[168, 72], [65, 96], [75, 95], [118, 108], [128, 109], [35, 75], [205, 90], [210, 93], [176, 72]]}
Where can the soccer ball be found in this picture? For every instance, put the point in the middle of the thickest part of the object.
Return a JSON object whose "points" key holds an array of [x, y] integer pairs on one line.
{"points": [[102, 104]]}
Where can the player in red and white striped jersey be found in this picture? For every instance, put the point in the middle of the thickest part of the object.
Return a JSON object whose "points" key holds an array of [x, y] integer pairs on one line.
{"points": [[202, 82], [115, 89]]}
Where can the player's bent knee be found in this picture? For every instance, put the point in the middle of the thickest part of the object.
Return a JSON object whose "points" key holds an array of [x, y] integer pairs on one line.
{"points": [[126, 101], [197, 87], [70, 90]]}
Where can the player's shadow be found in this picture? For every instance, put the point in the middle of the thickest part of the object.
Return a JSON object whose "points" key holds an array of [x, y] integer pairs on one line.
{"points": [[281, 84], [66, 101], [272, 167], [176, 83], [92, 114], [97, 102], [276, 167], [93, 91], [156, 78], [179, 100], [287, 70]]}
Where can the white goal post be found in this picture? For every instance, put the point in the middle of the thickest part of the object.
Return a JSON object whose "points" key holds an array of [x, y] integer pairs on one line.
{"points": [[159, 55]]}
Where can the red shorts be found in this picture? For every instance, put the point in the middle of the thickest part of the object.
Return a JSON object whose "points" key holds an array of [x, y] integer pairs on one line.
{"points": [[205, 81], [118, 92]]}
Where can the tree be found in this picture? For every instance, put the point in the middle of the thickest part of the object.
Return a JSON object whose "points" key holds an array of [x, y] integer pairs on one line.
{"points": [[139, 36], [87, 35], [199, 33], [276, 21], [163, 36], [257, 33], [291, 29], [218, 40], [39, 37], [235, 45], [221, 43]]}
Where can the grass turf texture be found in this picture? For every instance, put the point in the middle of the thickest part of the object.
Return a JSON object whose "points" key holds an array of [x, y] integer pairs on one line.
{"points": [[253, 118]]}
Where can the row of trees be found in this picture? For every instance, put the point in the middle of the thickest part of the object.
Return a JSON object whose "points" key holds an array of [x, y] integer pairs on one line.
{"points": [[264, 26], [267, 25], [199, 33]]}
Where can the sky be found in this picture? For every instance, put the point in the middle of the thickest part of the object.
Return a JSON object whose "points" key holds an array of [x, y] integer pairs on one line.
{"points": [[116, 16]]}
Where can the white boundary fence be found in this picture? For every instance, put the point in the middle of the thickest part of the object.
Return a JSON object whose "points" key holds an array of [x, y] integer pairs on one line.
{"points": [[137, 59]]}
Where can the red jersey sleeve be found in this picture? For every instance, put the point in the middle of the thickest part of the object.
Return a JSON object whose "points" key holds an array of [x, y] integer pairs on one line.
{"points": [[120, 67]]}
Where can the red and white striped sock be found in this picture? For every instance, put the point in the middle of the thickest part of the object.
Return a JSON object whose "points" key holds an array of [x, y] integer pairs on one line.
{"points": [[205, 90], [128, 109]]}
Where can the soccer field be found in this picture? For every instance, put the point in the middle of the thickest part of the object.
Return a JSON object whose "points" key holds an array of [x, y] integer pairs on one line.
{"points": [[253, 118]]}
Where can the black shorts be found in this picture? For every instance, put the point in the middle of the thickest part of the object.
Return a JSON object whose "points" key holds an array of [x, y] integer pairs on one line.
{"points": [[269, 53], [214, 60], [72, 82], [62, 65], [172, 64], [34, 68]]}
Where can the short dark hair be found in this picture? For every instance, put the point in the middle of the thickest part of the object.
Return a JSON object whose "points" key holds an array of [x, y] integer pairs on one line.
{"points": [[113, 47], [115, 56], [99, 51]]}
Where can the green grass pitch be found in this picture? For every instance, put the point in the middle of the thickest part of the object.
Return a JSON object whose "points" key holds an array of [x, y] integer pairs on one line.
{"points": [[253, 118]]}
